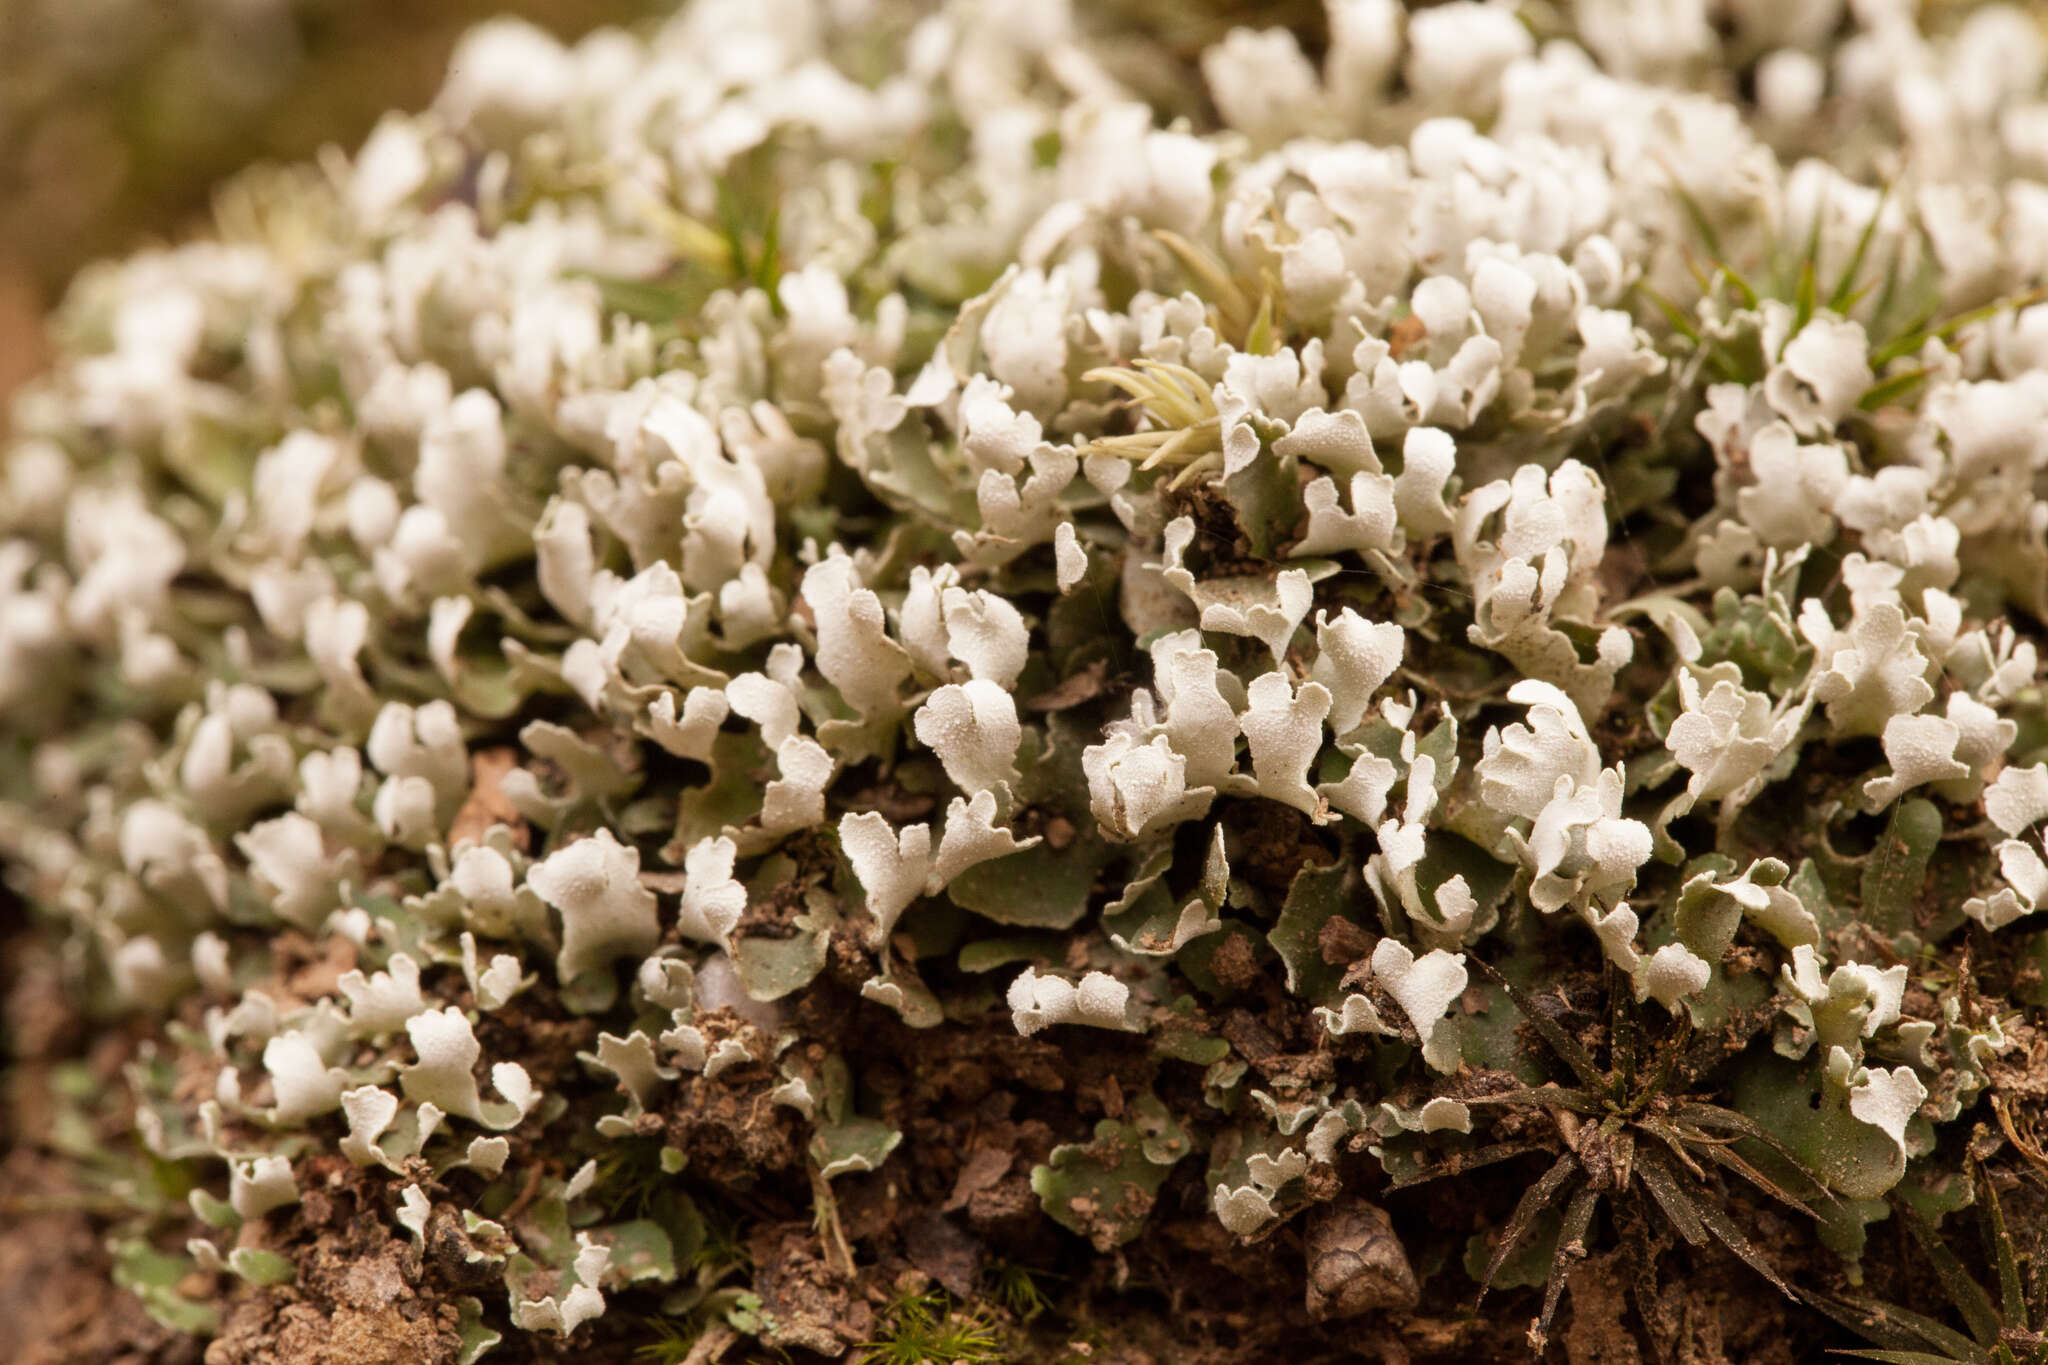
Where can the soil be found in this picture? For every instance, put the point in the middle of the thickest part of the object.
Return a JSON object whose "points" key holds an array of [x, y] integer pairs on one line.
{"points": [[58, 1301], [950, 1212]]}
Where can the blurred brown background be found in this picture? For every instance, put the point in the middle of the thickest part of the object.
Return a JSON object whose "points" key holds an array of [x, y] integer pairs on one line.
{"points": [[118, 116]]}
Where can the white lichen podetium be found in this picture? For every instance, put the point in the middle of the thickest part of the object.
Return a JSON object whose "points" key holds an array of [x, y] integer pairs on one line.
{"points": [[472, 598], [1098, 999]]}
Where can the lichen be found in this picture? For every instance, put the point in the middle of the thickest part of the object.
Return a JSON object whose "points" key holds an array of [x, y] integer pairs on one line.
{"points": [[677, 560]]}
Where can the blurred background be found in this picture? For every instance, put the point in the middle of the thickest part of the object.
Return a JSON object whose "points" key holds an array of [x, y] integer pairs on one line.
{"points": [[117, 117]]}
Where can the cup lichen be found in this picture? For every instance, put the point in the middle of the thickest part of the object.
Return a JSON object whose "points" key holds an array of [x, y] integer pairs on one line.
{"points": [[715, 578]]}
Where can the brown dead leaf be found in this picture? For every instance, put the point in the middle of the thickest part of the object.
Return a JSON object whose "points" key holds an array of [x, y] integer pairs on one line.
{"points": [[1342, 942], [1403, 336], [943, 1250], [893, 801], [306, 971], [985, 1166], [1085, 685], [486, 804]]}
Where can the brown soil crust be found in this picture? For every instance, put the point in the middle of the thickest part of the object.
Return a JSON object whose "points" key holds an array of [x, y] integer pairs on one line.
{"points": [[979, 1107]]}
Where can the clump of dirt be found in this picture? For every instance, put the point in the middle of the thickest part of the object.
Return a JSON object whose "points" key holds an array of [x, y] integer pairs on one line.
{"points": [[1599, 1333], [806, 1303], [728, 1126], [1274, 842], [378, 1324], [540, 1036], [361, 1296]]}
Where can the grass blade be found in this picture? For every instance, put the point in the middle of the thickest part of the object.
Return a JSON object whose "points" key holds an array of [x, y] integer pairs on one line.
{"points": [[1534, 1200], [1899, 1330], [1806, 288], [1744, 290], [1844, 295], [1713, 1118], [1889, 390], [1261, 338], [1889, 296], [1965, 1293], [1922, 329], [1719, 1154], [1673, 314], [1624, 1030], [1669, 1054], [1803, 297], [1678, 1206], [767, 269], [1569, 1050], [1990, 310], [1709, 238], [1709, 1048], [1224, 292], [1730, 1235], [1456, 1165], [1633, 1224], [1552, 1095], [2011, 1293], [1571, 1247]]}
